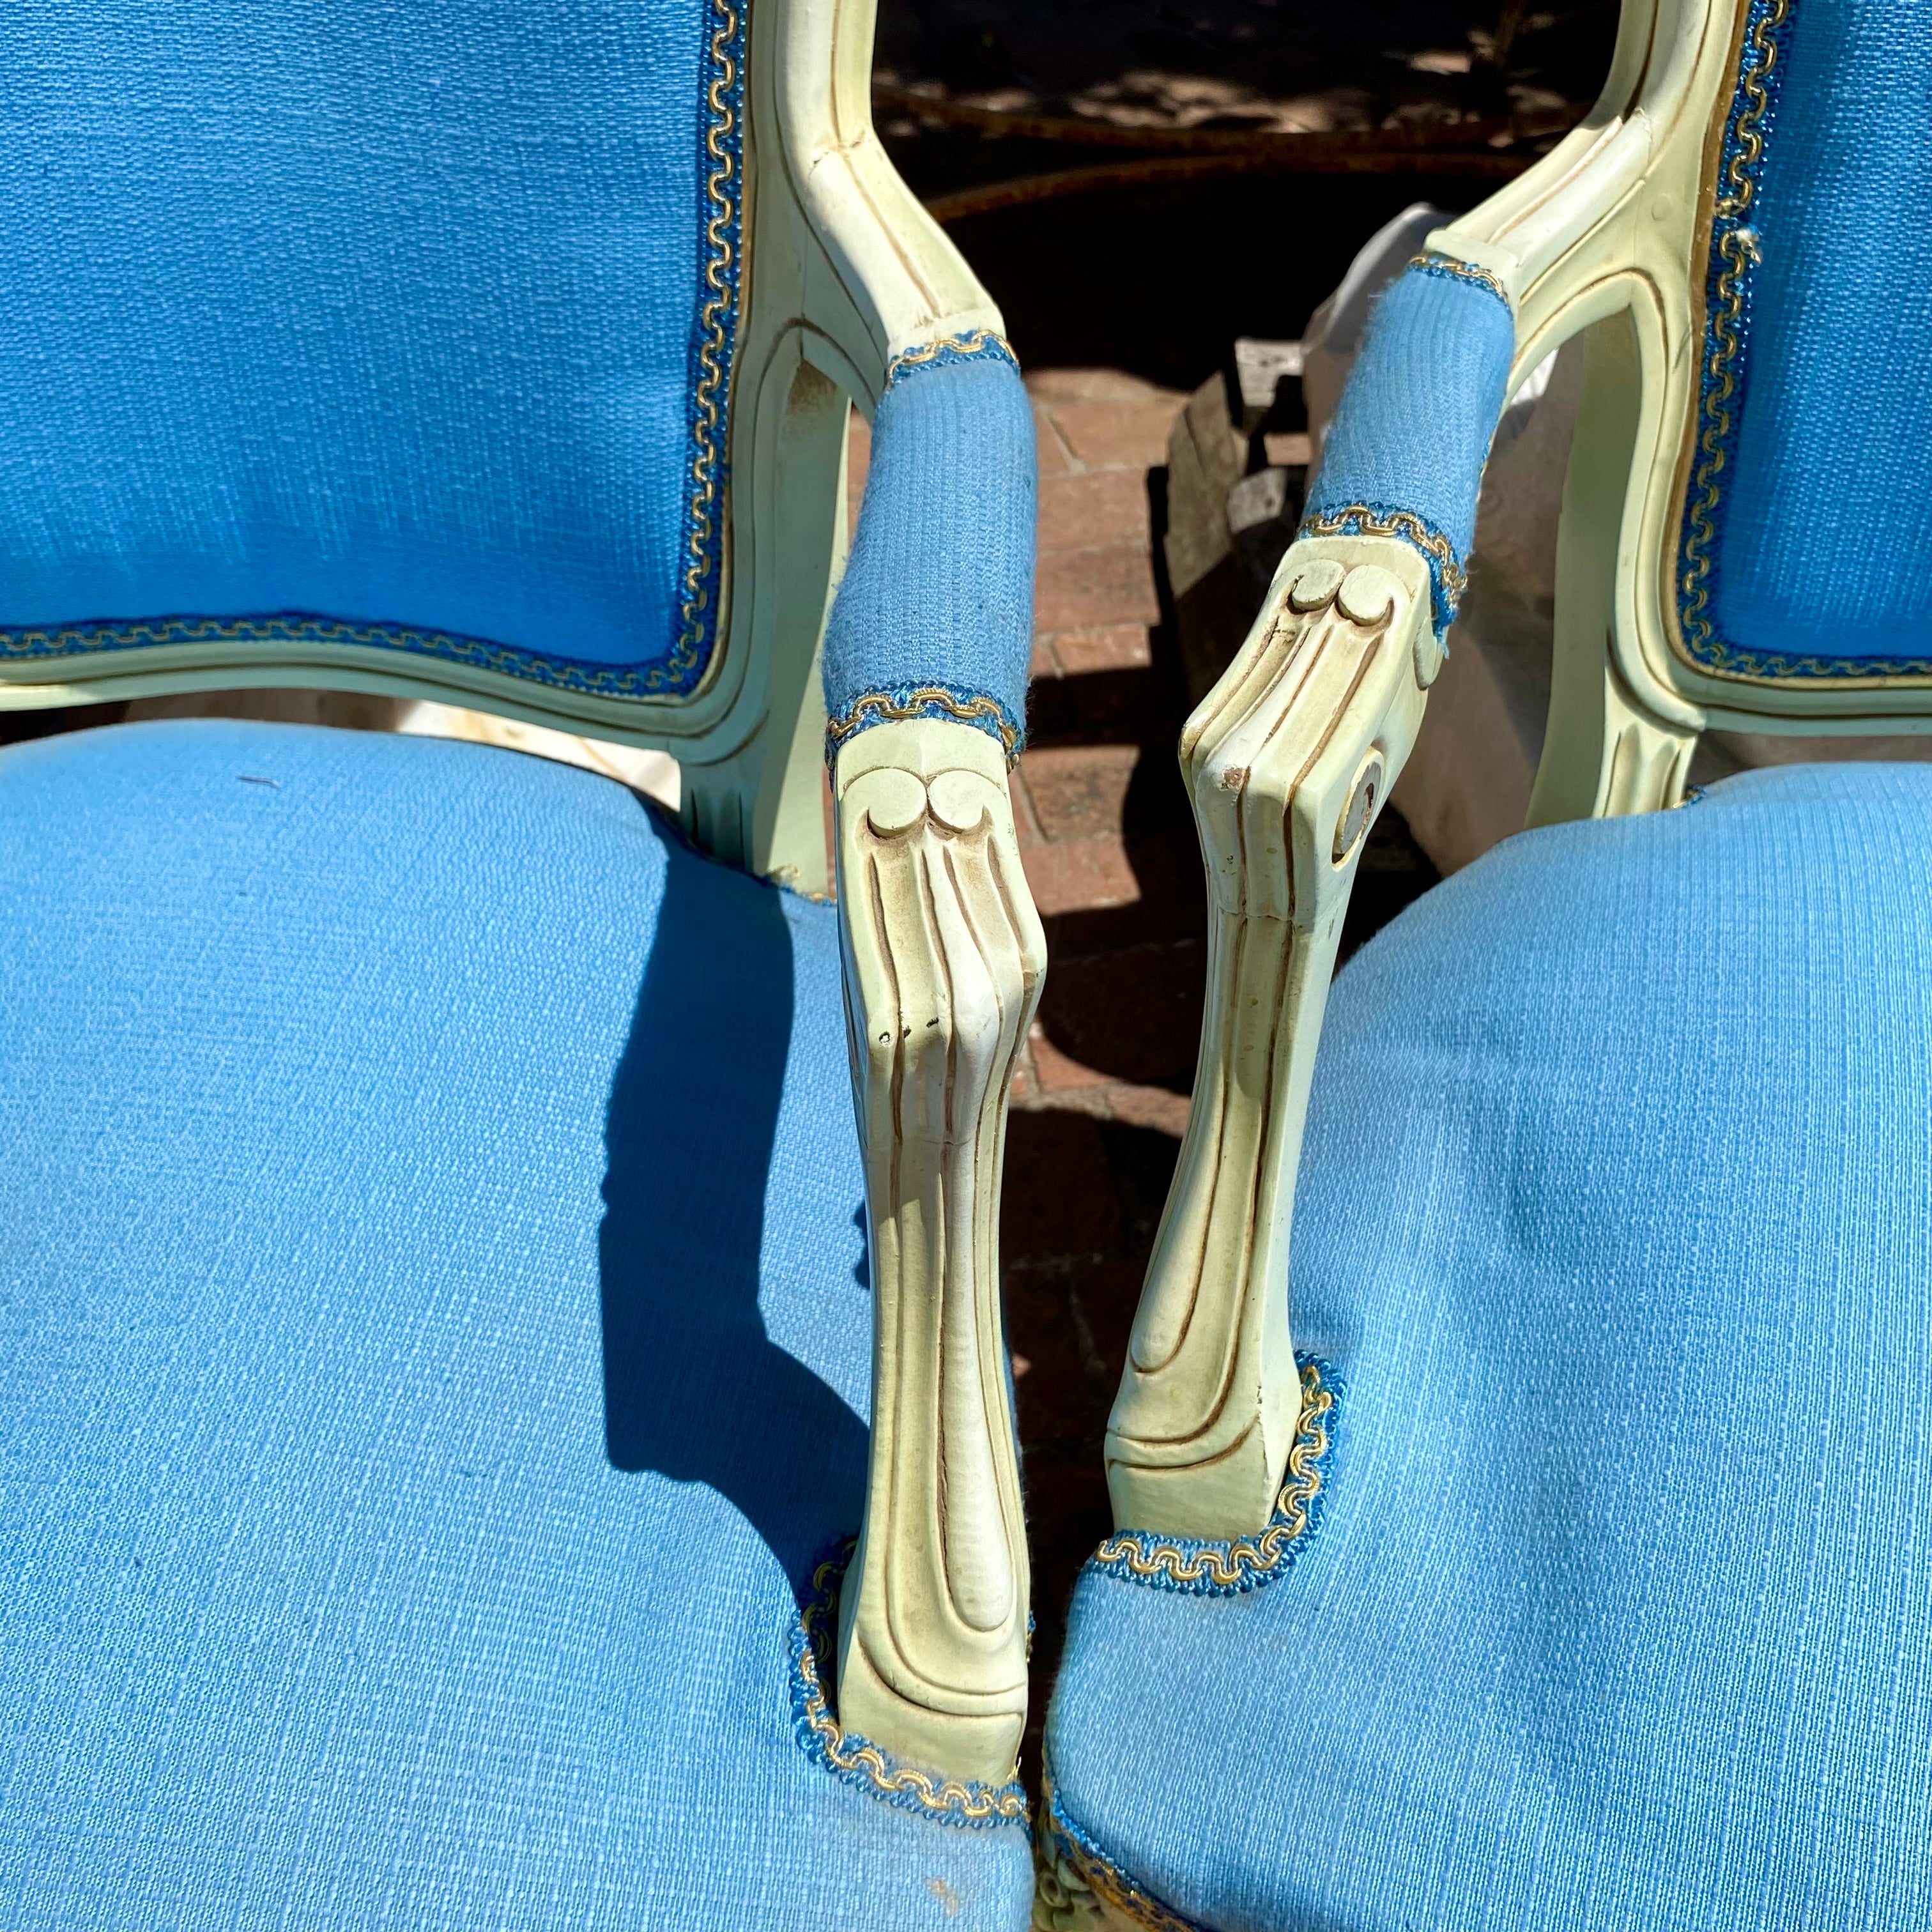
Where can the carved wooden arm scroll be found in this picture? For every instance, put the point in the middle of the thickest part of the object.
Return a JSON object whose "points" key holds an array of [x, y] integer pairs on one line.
{"points": [[1287, 760], [943, 960]]}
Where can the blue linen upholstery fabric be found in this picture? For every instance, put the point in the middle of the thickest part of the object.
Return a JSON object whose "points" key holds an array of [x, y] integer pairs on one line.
{"points": [[1818, 410], [378, 316], [434, 1347], [1404, 456], [935, 616], [1615, 1221]]}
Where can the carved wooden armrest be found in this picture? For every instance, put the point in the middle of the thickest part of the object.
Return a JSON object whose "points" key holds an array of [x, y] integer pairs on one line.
{"points": [[1287, 760], [943, 960]]}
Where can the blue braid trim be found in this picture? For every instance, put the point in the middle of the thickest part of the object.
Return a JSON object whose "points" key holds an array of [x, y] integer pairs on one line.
{"points": [[955, 703], [1448, 577], [713, 345], [1200, 1568], [1449, 269], [34, 641], [1068, 1846], [856, 1760], [976, 345]]}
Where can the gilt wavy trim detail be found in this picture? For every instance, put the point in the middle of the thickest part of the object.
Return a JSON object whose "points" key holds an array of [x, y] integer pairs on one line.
{"points": [[952, 1800], [1207, 1568]]}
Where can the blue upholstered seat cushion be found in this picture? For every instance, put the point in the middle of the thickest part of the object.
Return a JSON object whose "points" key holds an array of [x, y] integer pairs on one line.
{"points": [[416, 321], [1615, 1225], [434, 1338]]}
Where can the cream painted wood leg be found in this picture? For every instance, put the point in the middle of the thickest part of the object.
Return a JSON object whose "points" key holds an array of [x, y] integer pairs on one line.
{"points": [[1287, 761], [943, 960]]}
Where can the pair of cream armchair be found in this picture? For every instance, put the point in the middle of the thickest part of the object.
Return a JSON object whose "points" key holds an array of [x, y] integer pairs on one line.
{"points": [[444, 1281]]}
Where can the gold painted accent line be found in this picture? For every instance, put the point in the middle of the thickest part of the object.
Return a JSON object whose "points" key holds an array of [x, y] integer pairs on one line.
{"points": [[951, 1797], [880, 707], [1404, 524]]}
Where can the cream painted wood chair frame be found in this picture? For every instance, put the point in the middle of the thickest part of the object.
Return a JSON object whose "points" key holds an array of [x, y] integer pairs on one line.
{"points": [[1289, 758], [844, 270]]}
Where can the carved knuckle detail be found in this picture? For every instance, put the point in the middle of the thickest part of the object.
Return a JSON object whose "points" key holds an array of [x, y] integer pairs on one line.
{"points": [[1368, 594], [1316, 585]]}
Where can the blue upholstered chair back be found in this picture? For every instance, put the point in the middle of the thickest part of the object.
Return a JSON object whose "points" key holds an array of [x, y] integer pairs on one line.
{"points": [[1806, 547], [335, 321]]}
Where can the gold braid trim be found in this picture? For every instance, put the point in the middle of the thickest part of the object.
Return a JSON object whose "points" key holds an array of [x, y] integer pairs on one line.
{"points": [[715, 320], [1739, 248], [1070, 1865], [974, 342], [953, 1798], [881, 707], [1247, 1559], [1463, 271], [1404, 524]]}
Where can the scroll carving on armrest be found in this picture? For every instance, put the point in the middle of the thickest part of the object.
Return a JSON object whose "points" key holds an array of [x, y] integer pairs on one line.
{"points": [[944, 957], [1287, 762]]}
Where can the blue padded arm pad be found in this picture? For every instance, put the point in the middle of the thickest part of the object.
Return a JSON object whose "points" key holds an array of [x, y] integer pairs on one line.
{"points": [[1404, 456], [935, 619]]}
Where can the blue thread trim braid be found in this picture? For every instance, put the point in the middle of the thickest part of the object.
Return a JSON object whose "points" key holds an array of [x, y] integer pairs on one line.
{"points": [[298, 627], [934, 618], [1447, 578], [1452, 270], [975, 344], [978, 709], [713, 346], [1068, 1844], [948, 1801], [1734, 254], [1201, 1568]]}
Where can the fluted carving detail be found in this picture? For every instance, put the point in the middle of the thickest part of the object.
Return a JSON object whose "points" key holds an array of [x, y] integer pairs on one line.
{"points": [[944, 957], [1287, 761]]}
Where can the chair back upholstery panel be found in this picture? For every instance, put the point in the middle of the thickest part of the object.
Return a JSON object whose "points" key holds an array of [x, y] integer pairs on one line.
{"points": [[1807, 531], [352, 322]]}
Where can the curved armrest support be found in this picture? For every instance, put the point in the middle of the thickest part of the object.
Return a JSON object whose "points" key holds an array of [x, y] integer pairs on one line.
{"points": [[935, 616], [943, 960], [1404, 456], [1287, 762]]}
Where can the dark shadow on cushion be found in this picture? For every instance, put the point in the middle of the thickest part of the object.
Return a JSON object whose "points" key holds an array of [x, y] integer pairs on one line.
{"points": [[693, 1388]]}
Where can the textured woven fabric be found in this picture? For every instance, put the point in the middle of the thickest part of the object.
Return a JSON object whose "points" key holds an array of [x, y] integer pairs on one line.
{"points": [[1615, 1222], [1412, 430], [1824, 524], [434, 1343], [938, 595], [387, 314]]}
